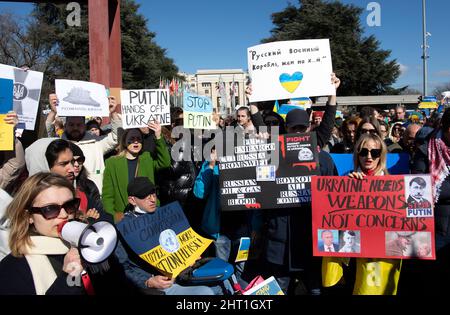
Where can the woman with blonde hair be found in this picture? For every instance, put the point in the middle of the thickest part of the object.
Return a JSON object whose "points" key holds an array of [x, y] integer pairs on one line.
{"points": [[132, 161], [40, 263], [374, 276]]}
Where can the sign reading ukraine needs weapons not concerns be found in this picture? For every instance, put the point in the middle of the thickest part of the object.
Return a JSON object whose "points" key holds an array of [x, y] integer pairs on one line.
{"points": [[376, 217], [26, 94], [290, 69], [164, 239], [141, 107], [198, 111], [81, 98], [262, 174]]}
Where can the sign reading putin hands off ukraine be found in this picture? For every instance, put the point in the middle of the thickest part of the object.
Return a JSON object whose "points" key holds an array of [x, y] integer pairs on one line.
{"points": [[164, 239]]}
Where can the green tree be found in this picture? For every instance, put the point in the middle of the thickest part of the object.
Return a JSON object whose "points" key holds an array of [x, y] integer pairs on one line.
{"points": [[363, 67], [143, 61]]}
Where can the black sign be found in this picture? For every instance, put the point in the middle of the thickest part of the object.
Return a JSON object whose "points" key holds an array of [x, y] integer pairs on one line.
{"points": [[268, 174]]}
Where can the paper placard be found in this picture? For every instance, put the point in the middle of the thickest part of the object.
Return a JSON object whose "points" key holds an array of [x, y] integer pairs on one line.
{"points": [[290, 69], [376, 217], [81, 98], [26, 95], [6, 95], [198, 112], [6, 135], [140, 107]]}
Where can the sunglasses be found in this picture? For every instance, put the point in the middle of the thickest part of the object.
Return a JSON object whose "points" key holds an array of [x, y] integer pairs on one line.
{"points": [[79, 160], [372, 131], [375, 153], [52, 211]]}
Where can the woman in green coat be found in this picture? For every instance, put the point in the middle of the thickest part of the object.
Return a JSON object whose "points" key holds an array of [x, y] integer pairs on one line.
{"points": [[128, 164]]}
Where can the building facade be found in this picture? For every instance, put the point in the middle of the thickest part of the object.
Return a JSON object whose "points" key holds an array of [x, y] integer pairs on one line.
{"points": [[206, 83]]}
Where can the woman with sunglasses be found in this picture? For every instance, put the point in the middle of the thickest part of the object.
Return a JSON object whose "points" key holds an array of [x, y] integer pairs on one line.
{"points": [[40, 263], [367, 125], [132, 161], [369, 160]]}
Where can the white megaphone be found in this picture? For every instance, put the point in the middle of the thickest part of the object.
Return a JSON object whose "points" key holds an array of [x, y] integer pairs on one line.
{"points": [[96, 241]]}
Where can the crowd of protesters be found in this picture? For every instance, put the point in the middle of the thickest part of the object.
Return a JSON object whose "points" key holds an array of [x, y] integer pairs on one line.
{"points": [[90, 170]]}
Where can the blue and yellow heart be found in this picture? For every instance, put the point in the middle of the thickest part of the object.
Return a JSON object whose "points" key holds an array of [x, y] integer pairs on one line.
{"points": [[291, 82]]}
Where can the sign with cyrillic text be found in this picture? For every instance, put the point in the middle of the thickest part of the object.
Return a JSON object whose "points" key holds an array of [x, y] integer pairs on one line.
{"points": [[290, 69]]}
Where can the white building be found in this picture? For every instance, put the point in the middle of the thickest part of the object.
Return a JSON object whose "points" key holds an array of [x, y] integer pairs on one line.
{"points": [[206, 83]]}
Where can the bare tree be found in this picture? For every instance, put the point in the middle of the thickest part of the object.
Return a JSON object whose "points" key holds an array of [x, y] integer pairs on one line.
{"points": [[441, 88], [19, 47]]}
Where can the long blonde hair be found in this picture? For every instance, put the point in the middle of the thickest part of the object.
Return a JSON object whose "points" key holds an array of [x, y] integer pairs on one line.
{"points": [[381, 167], [17, 214]]}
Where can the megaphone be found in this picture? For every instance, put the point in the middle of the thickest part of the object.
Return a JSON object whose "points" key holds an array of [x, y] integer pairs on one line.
{"points": [[95, 241]]}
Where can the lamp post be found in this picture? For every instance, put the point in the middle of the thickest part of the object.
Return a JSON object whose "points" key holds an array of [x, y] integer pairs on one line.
{"points": [[425, 47]]}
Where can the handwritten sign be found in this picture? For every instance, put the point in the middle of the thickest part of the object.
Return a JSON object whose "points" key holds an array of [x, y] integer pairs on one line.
{"points": [[6, 95], [198, 111], [377, 217], [164, 239], [6, 135], [290, 69], [252, 179], [26, 93], [80, 98], [140, 107]]}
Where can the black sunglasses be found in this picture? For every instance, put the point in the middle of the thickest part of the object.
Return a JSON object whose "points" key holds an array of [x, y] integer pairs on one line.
{"points": [[52, 211], [375, 153], [80, 160], [372, 131]]}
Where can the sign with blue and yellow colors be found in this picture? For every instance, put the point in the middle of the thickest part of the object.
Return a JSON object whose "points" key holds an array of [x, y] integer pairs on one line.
{"points": [[164, 239]]}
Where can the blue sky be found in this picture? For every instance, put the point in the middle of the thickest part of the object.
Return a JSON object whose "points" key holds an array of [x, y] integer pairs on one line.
{"points": [[211, 34]]}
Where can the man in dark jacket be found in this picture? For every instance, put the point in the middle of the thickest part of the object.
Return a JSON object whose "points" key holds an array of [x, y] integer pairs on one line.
{"points": [[433, 156], [289, 231]]}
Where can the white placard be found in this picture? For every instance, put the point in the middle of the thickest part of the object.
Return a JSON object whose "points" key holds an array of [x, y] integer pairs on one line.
{"points": [[27, 92], [290, 69], [139, 107], [81, 98]]}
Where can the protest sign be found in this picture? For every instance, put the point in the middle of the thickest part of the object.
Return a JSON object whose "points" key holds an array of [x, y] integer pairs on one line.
{"points": [[6, 135], [81, 98], [250, 179], [6, 95], [244, 247], [269, 286], [26, 93], [164, 239], [198, 112], [376, 217], [396, 163], [290, 69], [140, 107]]}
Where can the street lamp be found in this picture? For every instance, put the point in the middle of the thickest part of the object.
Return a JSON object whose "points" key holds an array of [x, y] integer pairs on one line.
{"points": [[425, 47]]}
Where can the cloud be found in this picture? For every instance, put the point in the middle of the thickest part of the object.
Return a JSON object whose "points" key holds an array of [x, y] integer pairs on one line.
{"points": [[403, 69], [442, 74]]}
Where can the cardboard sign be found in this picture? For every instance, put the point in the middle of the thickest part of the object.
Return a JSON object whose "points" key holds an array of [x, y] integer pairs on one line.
{"points": [[269, 286], [164, 239], [377, 217], [198, 111], [6, 135], [6, 95], [81, 98], [26, 95], [290, 69], [140, 107], [396, 163], [249, 179]]}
